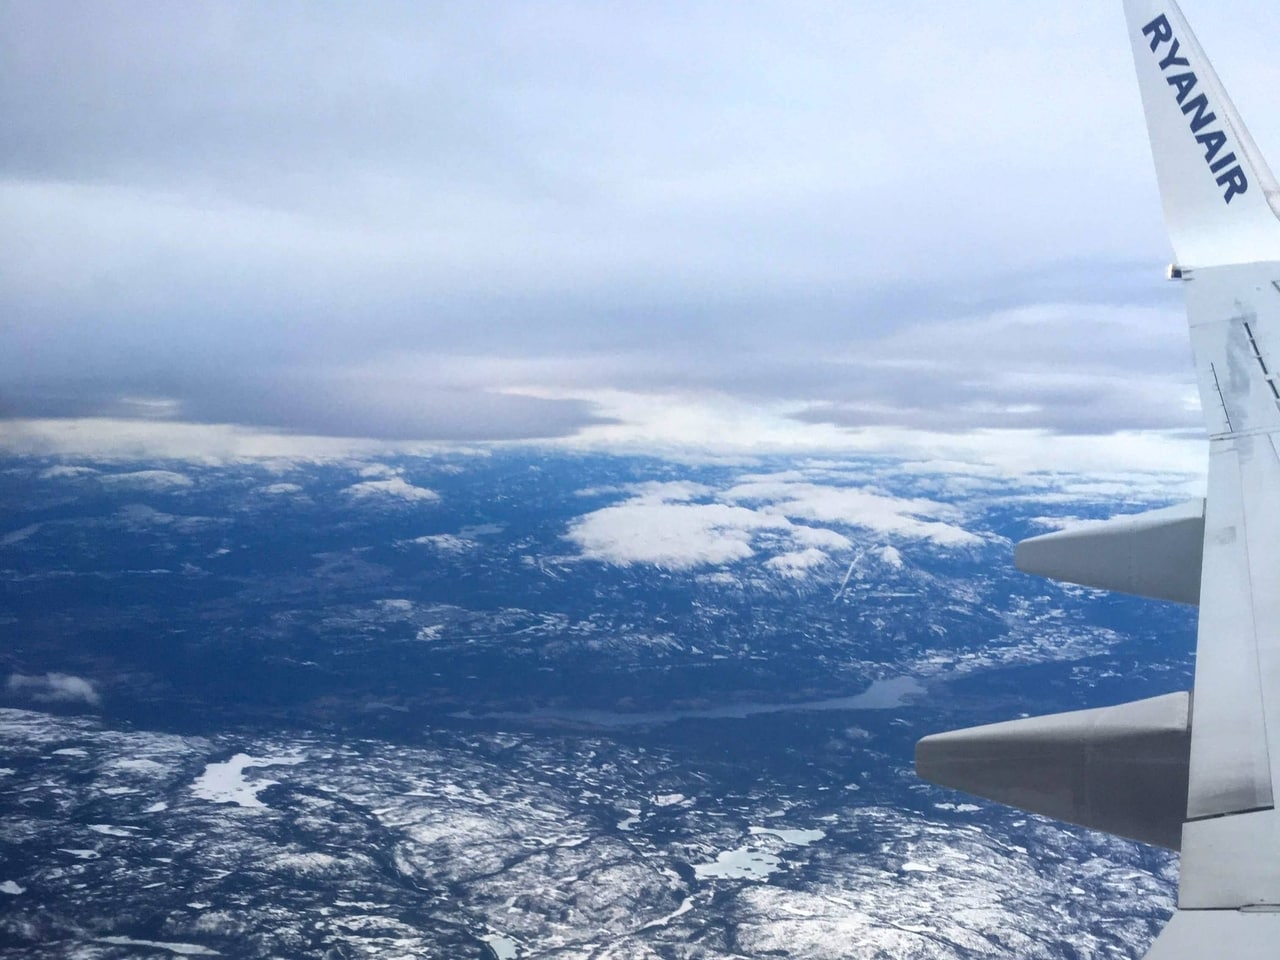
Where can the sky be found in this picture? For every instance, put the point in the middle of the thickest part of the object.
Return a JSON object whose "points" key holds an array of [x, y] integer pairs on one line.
{"points": [[929, 228]]}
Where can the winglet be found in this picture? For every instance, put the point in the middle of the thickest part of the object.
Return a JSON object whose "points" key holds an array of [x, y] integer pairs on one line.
{"points": [[1221, 202]]}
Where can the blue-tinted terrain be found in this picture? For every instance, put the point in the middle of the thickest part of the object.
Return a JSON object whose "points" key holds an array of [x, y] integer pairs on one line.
{"points": [[533, 704]]}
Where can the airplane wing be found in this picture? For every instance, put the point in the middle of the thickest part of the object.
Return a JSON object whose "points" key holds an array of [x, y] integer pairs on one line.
{"points": [[1195, 771]]}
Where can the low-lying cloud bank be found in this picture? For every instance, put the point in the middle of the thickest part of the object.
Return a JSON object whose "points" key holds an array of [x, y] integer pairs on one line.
{"points": [[53, 688], [395, 488], [680, 526], [1066, 369], [676, 425]]}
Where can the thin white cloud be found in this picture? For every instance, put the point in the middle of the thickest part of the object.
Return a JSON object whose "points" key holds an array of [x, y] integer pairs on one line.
{"points": [[798, 563], [17, 536], [139, 516], [278, 489], [379, 470], [685, 428], [668, 491], [148, 480], [905, 517], [115, 439], [672, 535], [54, 688], [64, 470], [820, 537], [444, 542], [396, 488], [684, 425], [892, 556], [783, 517]]}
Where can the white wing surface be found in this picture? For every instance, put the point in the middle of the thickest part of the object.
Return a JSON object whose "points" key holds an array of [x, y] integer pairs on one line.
{"points": [[1219, 199], [1221, 206], [1219, 196]]}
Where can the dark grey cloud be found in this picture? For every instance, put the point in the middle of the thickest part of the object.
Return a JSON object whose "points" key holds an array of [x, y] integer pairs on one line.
{"points": [[315, 403], [1078, 367], [385, 219]]}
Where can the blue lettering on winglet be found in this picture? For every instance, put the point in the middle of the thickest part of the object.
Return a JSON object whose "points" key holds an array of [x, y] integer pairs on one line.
{"points": [[1227, 171]]}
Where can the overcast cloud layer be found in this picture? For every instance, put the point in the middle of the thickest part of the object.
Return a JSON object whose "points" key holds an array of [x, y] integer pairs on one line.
{"points": [[465, 221]]}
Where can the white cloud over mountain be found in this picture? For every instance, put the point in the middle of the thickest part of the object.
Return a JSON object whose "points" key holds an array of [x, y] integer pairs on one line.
{"points": [[148, 480], [277, 489], [914, 518], [682, 525], [798, 563], [395, 487], [54, 688], [673, 535]]}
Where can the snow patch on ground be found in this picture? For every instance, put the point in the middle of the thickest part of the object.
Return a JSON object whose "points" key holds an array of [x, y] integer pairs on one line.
{"points": [[741, 864], [225, 782], [110, 830], [504, 948], [182, 949], [685, 906], [311, 863], [138, 765], [799, 838], [81, 854]]}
